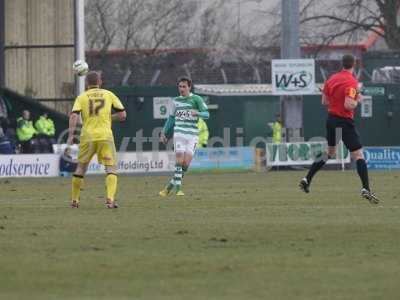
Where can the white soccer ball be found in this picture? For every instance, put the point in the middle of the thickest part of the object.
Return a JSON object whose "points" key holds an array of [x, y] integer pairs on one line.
{"points": [[80, 68]]}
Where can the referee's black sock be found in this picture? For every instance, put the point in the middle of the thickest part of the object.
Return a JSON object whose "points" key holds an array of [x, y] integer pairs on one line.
{"points": [[317, 165], [362, 171]]}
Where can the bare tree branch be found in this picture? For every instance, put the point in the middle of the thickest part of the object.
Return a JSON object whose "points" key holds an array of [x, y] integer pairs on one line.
{"points": [[377, 16], [364, 23]]}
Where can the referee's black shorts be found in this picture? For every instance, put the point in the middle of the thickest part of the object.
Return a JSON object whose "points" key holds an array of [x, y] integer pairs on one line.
{"points": [[338, 128]]}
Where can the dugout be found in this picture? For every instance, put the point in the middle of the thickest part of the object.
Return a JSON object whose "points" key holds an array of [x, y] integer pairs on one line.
{"points": [[16, 103]]}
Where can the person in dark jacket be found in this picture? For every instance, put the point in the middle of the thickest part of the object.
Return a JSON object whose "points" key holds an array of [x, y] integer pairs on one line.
{"points": [[67, 163], [6, 146]]}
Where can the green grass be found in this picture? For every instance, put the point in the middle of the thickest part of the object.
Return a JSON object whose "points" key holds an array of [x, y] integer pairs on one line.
{"points": [[234, 236]]}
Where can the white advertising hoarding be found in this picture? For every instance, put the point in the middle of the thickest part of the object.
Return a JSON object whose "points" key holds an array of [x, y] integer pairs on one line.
{"points": [[302, 153], [29, 165], [293, 76], [138, 162], [47, 165]]}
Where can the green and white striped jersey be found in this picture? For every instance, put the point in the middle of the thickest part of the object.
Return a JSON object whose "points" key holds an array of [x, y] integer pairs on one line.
{"points": [[181, 108]]}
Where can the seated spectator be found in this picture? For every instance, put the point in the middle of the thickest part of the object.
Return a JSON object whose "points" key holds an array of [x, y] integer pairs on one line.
{"points": [[26, 134], [4, 123], [67, 163], [6, 147], [9, 131], [46, 130], [3, 109]]}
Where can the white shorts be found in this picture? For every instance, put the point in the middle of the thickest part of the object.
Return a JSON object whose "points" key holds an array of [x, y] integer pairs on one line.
{"points": [[185, 143]]}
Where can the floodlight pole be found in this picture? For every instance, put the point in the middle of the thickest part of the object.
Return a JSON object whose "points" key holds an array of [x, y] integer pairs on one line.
{"points": [[291, 106], [79, 41]]}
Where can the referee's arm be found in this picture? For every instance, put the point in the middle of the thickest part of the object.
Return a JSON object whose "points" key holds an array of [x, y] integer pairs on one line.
{"points": [[350, 103]]}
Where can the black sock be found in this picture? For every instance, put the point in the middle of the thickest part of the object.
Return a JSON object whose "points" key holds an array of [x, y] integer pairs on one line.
{"points": [[316, 166], [184, 169], [362, 171]]}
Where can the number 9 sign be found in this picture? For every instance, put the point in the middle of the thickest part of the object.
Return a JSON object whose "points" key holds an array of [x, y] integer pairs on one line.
{"points": [[160, 107]]}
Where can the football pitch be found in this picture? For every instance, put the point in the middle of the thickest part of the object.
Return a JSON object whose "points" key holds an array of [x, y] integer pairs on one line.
{"points": [[233, 236]]}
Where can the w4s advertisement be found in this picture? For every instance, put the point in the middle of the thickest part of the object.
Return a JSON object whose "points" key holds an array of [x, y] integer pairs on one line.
{"points": [[293, 76]]}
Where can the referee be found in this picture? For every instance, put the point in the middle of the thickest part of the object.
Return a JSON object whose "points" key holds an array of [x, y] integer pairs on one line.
{"points": [[341, 96]]}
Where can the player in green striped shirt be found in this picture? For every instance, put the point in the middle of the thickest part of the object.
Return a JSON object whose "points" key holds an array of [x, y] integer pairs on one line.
{"points": [[185, 112]]}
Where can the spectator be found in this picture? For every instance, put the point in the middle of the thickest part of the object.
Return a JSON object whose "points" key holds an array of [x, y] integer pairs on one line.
{"points": [[46, 130], [26, 134], [276, 130], [67, 163], [9, 131], [203, 133], [6, 147], [3, 109], [3, 123]]}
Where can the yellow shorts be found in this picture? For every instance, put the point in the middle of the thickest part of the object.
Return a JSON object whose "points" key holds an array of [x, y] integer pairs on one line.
{"points": [[105, 150]]}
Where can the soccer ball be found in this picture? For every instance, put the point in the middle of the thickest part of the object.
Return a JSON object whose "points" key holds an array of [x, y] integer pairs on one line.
{"points": [[80, 68]]}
